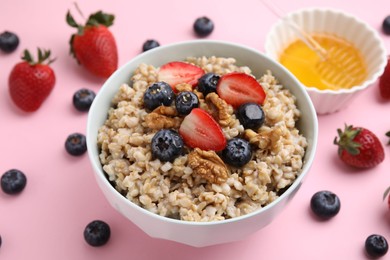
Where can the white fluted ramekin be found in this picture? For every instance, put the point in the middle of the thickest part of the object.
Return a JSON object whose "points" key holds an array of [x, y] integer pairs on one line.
{"points": [[340, 24]]}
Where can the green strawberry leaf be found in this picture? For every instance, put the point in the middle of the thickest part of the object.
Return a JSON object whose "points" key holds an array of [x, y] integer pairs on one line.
{"points": [[346, 142], [70, 20], [43, 57], [27, 57], [386, 193], [100, 18]]}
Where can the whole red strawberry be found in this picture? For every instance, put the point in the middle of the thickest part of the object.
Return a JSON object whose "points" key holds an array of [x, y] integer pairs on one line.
{"points": [[31, 82], [359, 147], [93, 45], [384, 83]]}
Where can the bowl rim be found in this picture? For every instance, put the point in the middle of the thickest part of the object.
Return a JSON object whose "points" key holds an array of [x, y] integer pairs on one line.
{"points": [[98, 172], [369, 81]]}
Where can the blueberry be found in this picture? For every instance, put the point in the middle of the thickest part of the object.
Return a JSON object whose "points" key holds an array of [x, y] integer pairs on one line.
{"points": [[237, 152], [13, 181], [97, 233], [208, 83], [157, 94], [76, 144], [376, 246], [0, 241], [251, 115], [150, 44], [185, 102], [203, 26], [8, 42], [325, 204], [167, 144], [386, 25], [83, 98]]}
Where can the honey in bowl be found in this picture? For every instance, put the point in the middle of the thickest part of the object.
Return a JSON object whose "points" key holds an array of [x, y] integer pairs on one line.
{"points": [[342, 67]]}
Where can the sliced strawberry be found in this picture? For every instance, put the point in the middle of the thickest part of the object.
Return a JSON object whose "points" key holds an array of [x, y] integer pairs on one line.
{"points": [[200, 130], [237, 88], [177, 72]]}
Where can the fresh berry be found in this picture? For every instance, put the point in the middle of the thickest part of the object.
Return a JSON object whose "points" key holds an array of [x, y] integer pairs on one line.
{"points": [[237, 152], [76, 144], [13, 181], [376, 246], [200, 130], [251, 115], [93, 45], [384, 82], [167, 144], [237, 88], [203, 26], [386, 25], [150, 44], [8, 42], [359, 147], [208, 83], [185, 102], [97, 233], [0, 241], [83, 98], [325, 204], [158, 94], [31, 82], [388, 135], [177, 72]]}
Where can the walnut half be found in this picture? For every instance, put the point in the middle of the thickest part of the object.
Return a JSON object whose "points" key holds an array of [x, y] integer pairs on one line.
{"points": [[208, 165], [162, 117]]}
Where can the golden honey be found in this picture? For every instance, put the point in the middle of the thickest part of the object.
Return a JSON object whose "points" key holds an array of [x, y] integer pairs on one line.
{"points": [[342, 67]]}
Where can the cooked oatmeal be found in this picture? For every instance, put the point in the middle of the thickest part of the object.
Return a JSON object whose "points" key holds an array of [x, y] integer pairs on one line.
{"points": [[178, 189]]}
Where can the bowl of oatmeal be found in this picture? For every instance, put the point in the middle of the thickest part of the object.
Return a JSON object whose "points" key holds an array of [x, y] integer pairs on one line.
{"points": [[354, 56], [201, 142]]}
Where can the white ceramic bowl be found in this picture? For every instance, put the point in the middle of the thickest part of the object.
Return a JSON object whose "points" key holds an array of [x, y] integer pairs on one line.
{"points": [[194, 233], [339, 24]]}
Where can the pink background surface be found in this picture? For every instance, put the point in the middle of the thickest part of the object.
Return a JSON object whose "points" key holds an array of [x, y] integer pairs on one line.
{"points": [[47, 220]]}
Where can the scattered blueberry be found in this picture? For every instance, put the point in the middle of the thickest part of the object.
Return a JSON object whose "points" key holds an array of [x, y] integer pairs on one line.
{"points": [[83, 98], [251, 115], [386, 25], [157, 94], [208, 83], [325, 204], [167, 144], [237, 152], [13, 181], [76, 144], [376, 246], [150, 44], [97, 233], [185, 102], [8, 42], [0, 241], [203, 26]]}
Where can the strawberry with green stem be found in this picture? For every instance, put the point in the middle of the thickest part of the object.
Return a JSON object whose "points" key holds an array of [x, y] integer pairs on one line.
{"points": [[359, 147], [30, 82], [93, 45]]}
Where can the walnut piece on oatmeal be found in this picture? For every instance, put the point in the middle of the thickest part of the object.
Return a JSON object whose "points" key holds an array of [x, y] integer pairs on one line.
{"points": [[208, 165], [162, 117]]}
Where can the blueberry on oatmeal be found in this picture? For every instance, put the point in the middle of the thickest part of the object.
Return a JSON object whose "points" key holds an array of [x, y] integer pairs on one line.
{"points": [[185, 102], [158, 94], [97, 233], [237, 152], [150, 44], [203, 26], [167, 145], [76, 144], [208, 83], [251, 115], [83, 98], [325, 204], [376, 246], [13, 181]]}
